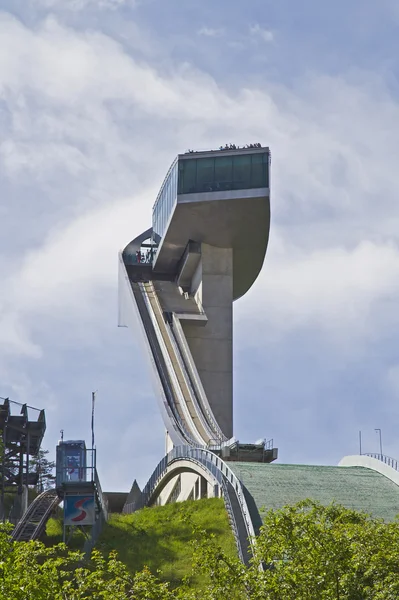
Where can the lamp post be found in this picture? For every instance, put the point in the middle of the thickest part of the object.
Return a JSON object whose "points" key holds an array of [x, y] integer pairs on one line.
{"points": [[379, 432]]}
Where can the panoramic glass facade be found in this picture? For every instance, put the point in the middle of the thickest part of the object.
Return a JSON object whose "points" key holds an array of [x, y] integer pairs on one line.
{"points": [[208, 174], [165, 201], [221, 173]]}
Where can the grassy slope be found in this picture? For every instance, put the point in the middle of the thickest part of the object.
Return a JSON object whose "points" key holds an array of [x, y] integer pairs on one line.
{"points": [[54, 534], [160, 537]]}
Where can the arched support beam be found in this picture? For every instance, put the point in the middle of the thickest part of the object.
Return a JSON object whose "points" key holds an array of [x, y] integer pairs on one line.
{"points": [[213, 469], [179, 467]]}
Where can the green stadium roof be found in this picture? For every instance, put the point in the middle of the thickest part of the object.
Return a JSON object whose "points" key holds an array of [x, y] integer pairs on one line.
{"points": [[275, 485]]}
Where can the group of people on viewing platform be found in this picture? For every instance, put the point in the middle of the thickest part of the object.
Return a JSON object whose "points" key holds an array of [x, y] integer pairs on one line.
{"points": [[145, 257], [234, 147], [140, 257], [231, 147]]}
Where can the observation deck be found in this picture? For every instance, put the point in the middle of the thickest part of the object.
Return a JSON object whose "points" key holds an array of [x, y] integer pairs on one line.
{"points": [[219, 198]]}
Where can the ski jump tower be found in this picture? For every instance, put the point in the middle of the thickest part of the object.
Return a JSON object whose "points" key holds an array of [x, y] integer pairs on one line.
{"points": [[179, 279]]}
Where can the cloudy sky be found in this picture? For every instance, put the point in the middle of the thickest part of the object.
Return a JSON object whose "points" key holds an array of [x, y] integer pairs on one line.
{"points": [[96, 99]]}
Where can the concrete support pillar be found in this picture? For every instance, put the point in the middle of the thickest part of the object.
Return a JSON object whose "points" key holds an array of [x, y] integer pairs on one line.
{"points": [[212, 345], [204, 488], [168, 443]]}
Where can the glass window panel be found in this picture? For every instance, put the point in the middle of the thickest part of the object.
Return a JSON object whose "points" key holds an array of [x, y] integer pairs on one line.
{"points": [[164, 206], [266, 162], [242, 172], [174, 181], [188, 176], [160, 213], [223, 173], [167, 203], [205, 174], [155, 223], [180, 178], [258, 172]]}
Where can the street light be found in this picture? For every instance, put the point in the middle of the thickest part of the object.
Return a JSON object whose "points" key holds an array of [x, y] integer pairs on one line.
{"points": [[379, 432]]}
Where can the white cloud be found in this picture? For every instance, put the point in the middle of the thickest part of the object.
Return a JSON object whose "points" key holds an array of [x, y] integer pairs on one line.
{"points": [[347, 293], [79, 258], [14, 337], [392, 380], [326, 151], [264, 34], [76, 5], [88, 132], [211, 32]]}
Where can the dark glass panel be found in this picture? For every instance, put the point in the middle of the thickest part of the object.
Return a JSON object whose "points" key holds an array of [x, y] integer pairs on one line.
{"points": [[223, 173], [187, 176], [241, 172], [258, 171], [205, 174]]}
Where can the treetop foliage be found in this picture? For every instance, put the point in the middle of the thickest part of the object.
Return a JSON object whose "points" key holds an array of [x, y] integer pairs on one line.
{"points": [[304, 552]]}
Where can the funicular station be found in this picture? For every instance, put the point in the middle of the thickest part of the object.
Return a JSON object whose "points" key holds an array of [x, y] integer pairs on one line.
{"points": [[78, 487]]}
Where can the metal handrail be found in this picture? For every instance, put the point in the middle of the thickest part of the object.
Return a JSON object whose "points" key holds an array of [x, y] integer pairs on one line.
{"points": [[95, 533], [233, 522], [169, 365], [46, 516], [188, 370], [269, 444], [143, 320], [101, 497], [54, 500], [186, 427], [193, 389], [388, 460], [158, 336], [203, 399]]}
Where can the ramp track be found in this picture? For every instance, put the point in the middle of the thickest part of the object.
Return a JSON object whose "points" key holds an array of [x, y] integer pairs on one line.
{"points": [[33, 522], [185, 408]]}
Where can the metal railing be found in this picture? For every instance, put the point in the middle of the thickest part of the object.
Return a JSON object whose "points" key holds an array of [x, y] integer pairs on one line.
{"points": [[102, 499], [215, 466], [158, 369], [146, 258], [193, 390], [232, 519], [36, 516], [95, 533], [182, 410], [186, 435], [203, 402], [388, 460]]}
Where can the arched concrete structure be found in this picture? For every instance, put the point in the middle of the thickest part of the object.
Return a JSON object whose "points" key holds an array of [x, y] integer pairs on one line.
{"points": [[220, 479], [180, 467], [369, 462]]}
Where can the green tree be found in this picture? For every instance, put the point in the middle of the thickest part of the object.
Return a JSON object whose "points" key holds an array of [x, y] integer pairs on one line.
{"points": [[45, 470], [306, 551], [310, 552], [31, 571]]}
